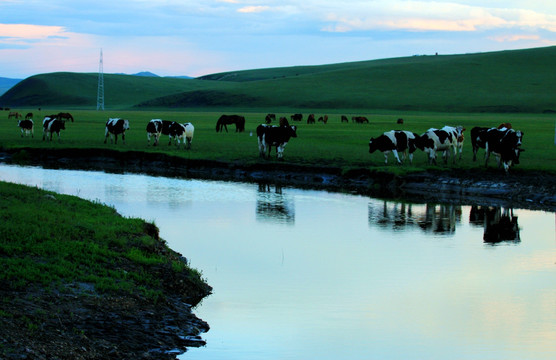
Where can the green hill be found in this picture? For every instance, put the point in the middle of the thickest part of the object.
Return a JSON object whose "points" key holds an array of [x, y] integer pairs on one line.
{"points": [[505, 81]]}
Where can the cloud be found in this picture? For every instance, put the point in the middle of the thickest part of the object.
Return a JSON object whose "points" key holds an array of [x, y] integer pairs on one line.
{"points": [[253, 9], [514, 38], [30, 32], [431, 16]]}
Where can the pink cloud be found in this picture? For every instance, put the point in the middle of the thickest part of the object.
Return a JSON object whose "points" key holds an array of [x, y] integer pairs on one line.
{"points": [[25, 31], [253, 9]]}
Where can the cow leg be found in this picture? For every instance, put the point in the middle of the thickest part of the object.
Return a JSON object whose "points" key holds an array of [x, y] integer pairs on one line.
{"points": [[395, 152], [411, 158], [123, 138], [487, 155]]}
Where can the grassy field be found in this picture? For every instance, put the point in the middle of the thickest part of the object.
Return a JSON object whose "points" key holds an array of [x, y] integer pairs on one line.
{"points": [[343, 145]]}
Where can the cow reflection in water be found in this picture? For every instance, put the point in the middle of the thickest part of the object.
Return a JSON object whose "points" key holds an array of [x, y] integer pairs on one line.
{"points": [[499, 224], [438, 219], [274, 206]]}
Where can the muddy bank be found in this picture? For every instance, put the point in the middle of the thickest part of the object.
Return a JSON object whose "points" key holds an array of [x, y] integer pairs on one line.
{"points": [[520, 189]]}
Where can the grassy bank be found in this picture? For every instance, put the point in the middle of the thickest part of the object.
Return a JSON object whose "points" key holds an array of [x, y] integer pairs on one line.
{"points": [[56, 240], [59, 251], [342, 145]]}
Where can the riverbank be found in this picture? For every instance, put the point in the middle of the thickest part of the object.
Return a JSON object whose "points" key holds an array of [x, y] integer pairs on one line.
{"points": [[534, 190], [79, 281]]}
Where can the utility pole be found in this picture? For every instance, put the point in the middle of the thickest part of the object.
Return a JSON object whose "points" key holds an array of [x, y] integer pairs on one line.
{"points": [[100, 91]]}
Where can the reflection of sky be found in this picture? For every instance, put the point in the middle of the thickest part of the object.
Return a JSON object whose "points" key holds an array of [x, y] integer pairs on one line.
{"points": [[335, 285]]}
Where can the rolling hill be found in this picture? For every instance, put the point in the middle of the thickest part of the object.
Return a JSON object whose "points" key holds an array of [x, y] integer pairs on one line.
{"points": [[504, 81]]}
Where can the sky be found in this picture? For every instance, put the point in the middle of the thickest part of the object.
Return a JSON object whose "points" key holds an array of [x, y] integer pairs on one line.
{"points": [[201, 37]]}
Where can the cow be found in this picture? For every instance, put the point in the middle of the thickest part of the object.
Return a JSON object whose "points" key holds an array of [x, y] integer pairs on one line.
{"points": [[269, 118], [115, 127], [311, 119], [399, 121], [395, 141], [14, 114], [156, 127], [324, 119], [505, 126], [226, 120], [445, 140], [52, 124], [65, 116], [359, 119], [505, 144], [271, 135], [478, 139], [344, 118], [296, 117], [26, 126], [182, 132], [29, 116]]}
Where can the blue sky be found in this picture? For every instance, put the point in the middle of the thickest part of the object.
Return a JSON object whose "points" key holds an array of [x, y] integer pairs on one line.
{"points": [[199, 37]]}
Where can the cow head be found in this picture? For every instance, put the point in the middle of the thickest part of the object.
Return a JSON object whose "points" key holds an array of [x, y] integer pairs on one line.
{"points": [[293, 130], [517, 152], [126, 124], [519, 135], [373, 145]]}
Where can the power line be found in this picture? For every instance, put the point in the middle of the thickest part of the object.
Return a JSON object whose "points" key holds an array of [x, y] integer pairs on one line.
{"points": [[100, 90]]}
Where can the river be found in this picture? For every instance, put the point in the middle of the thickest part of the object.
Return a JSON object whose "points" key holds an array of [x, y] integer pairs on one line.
{"points": [[300, 274]]}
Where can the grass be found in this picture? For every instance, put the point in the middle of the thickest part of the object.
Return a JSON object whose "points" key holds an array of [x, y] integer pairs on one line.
{"points": [[55, 241], [334, 144]]}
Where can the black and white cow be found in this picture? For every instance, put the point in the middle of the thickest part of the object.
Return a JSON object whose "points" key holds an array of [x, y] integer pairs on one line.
{"points": [[505, 144], [271, 135], [27, 127], [154, 128], [445, 140], [52, 124], [478, 139], [395, 141], [115, 127], [182, 132]]}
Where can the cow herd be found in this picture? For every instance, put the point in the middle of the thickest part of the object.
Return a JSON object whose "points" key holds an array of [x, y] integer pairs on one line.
{"points": [[114, 127], [502, 141]]}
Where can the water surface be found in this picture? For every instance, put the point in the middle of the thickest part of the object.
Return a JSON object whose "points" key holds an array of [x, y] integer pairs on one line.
{"points": [[303, 274]]}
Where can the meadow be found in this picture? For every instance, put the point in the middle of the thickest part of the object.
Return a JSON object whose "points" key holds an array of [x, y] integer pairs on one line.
{"points": [[336, 144]]}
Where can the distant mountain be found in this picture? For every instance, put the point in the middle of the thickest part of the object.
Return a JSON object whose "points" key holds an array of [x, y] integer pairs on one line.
{"points": [[150, 74], [7, 83], [145, 73]]}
